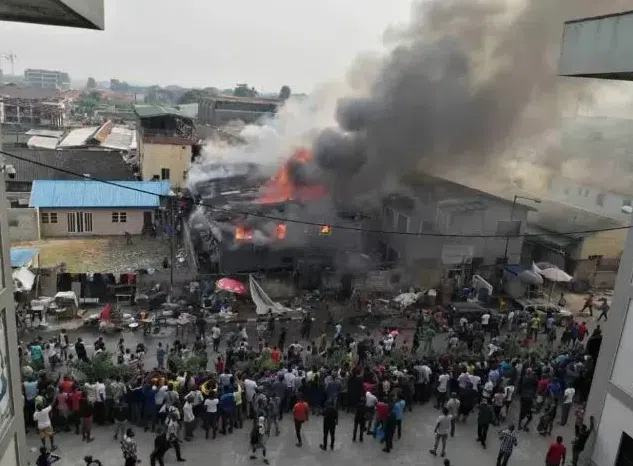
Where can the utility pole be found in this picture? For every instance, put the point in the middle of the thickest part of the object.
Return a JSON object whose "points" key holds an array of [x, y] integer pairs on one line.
{"points": [[172, 201]]}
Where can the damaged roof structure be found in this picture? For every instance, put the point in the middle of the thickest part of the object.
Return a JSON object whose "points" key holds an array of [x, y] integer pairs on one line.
{"points": [[108, 136]]}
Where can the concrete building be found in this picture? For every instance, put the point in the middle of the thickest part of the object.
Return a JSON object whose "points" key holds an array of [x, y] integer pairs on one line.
{"points": [[33, 106], [94, 208], [93, 163], [166, 143], [600, 48], [47, 79], [13, 450], [224, 109], [438, 206], [592, 197]]}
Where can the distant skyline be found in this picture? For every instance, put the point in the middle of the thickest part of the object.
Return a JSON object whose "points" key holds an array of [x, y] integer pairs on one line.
{"points": [[213, 43]]}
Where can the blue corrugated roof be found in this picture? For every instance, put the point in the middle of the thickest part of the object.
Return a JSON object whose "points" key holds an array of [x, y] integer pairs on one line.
{"points": [[21, 256], [93, 193]]}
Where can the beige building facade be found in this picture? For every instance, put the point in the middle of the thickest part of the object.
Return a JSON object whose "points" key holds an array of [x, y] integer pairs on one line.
{"points": [[168, 162], [93, 222]]}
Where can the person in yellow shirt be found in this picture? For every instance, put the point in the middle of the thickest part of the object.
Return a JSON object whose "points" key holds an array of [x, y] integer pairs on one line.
{"points": [[237, 396], [534, 326]]}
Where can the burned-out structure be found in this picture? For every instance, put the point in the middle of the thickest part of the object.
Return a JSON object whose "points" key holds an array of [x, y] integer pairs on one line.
{"points": [[246, 221]]}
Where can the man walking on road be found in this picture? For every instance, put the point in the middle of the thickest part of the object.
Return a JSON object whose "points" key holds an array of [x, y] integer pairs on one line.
{"points": [[508, 439], [484, 419], [556, 454], [300, 415], [442, 429]]}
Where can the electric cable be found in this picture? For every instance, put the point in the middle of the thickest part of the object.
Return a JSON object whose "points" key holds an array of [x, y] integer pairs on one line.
{"points": [[317, 224]]}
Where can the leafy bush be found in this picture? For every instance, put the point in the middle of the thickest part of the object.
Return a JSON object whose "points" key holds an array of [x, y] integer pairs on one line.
{"points": [[101, 366]]}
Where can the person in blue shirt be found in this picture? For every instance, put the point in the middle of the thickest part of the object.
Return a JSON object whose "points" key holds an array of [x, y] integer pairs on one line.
{"points": [[30, 393], [227, 405], [149, 410], [37, 356], [398, 411], [555, 390]]}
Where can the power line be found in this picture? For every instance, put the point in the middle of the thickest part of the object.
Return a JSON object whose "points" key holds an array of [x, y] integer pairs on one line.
{"points": [[309, 223]]}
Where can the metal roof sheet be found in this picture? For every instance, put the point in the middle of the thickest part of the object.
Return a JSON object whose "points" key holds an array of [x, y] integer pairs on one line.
{"points": [[120, 138], [150, 110], [78, 137], [93, 193], [42, 142], [51, 133], [22, 256]]}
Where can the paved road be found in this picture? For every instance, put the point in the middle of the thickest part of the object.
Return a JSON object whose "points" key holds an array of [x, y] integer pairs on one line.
{"points": [[412, 449]]}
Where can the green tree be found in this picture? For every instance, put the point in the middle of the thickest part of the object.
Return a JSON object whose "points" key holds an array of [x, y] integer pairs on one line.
{"points": [[196, 95], [91, 84], [242, 90], [284, 93]]}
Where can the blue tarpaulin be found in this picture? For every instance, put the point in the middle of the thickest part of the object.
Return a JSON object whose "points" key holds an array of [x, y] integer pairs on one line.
{"points": [[20, 257]]}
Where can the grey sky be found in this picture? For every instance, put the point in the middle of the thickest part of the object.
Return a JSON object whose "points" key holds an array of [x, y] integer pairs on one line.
{"points": [[211, 42]]}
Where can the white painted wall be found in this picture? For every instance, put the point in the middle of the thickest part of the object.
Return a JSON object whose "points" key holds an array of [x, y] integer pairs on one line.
{"points": [[622, 375], [9, 456], [591, 198], [616, 418]]}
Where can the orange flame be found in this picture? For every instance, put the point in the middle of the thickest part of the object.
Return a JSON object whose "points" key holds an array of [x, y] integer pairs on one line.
{"points": [[243, 234], [280, 188], [281, 231], [325, 230]]}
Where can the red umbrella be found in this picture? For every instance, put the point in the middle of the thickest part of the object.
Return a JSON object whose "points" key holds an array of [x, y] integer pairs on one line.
{"points": [[229, 284]]}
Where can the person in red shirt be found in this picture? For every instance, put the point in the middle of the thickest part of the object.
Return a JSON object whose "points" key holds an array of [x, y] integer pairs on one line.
{"points": [[300, 414], [275, 355], [74, 402], [556, 453], [582, 331], [66, 384], [219, 366], [382, 413]]}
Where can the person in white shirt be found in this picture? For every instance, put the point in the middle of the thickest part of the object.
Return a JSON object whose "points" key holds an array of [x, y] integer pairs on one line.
{"points": [[216, 334], [388, 344], [485, 320], [453, 410], [211, 415], [250, 387], [568, 401], [475, 380], [511, 321], [488, 389], [188, 417], [442, 429], [508, 393], [442, 387], [463, 380], [99, 414], [44, 425]]}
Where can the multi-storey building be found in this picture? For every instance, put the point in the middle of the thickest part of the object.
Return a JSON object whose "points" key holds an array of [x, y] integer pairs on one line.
{"points": [[47, 79]]}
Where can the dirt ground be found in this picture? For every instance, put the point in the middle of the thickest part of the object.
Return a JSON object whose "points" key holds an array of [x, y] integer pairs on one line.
{"points": [[100, 253]]}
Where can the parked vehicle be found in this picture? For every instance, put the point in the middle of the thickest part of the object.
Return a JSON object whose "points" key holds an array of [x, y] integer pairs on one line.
{"points": [[526, 308]]}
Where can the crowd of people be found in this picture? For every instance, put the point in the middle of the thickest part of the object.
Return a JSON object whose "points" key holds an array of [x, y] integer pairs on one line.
{"points": [[376, 377]]}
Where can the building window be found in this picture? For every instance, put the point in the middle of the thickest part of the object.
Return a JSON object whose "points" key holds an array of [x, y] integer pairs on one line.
{"points": [[626, 203], [48, 217], [389, 218], [426, 227], [79, 222], [600, 200], [403, 223], [579, 191], [164, 173], [119, 217]]}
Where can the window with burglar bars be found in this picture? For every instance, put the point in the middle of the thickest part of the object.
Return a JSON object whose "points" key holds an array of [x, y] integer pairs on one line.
{"points": [[48, 217], [79, 222], [119, 217]]}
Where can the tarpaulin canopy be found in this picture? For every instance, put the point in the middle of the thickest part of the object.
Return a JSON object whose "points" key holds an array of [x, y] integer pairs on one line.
{"points": [[262, 301]]}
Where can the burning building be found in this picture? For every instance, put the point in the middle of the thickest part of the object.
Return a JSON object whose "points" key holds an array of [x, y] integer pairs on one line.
{"points": [[246, 221]]}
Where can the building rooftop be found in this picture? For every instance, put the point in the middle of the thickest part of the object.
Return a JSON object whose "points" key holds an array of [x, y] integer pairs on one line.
{"points": [[97, 194], [251, 100], [96, 163], [29, 93], [153, 110]]}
